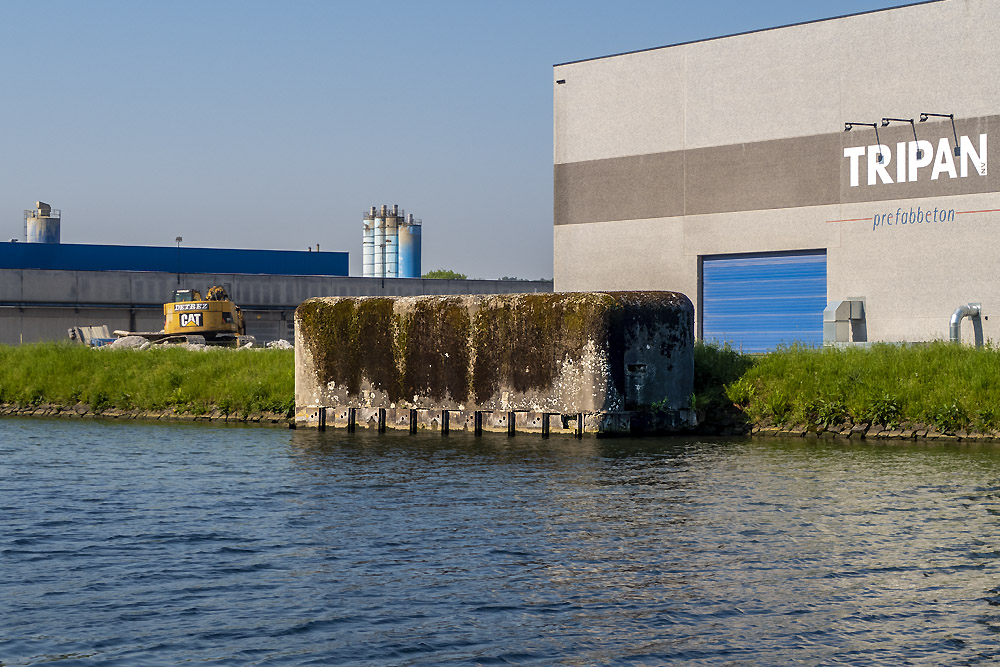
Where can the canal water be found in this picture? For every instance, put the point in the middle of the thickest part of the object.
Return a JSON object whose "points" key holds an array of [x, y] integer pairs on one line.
{"points": [[133, 544]]}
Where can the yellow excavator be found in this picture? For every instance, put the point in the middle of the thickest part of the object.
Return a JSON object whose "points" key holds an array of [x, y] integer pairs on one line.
{"points": [[216, 317], [190, 317]]}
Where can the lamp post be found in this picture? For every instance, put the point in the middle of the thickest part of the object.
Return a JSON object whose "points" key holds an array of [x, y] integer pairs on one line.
{"points": [[849, 126], [178, 240], [924, 117], [886, 121]]}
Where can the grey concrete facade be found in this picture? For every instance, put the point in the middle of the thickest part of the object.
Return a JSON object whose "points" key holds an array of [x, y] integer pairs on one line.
{"points": [[37, 305], [737, 145]]}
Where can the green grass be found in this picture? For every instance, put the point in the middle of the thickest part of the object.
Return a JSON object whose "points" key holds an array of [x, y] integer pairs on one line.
{"points": [[947, 386], [237, 382], [715, 368]]}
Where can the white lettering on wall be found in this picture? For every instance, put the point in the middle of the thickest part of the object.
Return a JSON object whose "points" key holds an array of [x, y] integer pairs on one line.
{"points": [[943, 161], [878, 157], [853, 154], [969, 154], [925, 149], [901, 162], [910, 168]]}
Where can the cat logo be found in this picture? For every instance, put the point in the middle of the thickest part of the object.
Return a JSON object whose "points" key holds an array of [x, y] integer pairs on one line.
{"points": [[190, 319]]}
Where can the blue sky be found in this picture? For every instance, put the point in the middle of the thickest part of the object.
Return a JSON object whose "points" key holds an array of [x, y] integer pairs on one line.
{"points": [[276, 124]]}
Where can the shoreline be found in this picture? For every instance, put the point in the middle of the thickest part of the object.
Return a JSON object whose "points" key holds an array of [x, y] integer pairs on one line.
{"points": [[725, 428], [83, 411], [730, 425], [914, 433]]}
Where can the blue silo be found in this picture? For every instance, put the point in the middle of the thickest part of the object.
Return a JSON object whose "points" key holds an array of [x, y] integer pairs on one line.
{"points": [[409, 247]]}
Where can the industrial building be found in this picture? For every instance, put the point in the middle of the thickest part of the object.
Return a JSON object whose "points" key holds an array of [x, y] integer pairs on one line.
{"points": [[48, 287], [824, 182], [44, 251], [390, 243]]}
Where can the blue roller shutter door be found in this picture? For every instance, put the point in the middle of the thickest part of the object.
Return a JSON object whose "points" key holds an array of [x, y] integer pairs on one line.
{"points": [[757, 302]]}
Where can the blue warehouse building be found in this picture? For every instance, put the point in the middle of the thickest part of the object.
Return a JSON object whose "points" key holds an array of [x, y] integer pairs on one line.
{"points": [[83, 257]]}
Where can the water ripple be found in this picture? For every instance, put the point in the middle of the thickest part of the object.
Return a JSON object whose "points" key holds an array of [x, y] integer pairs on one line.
{"points": [[132, 544]]}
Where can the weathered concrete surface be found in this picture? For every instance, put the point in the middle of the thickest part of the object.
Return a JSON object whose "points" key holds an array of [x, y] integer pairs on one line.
{"points": [[543, 354]]}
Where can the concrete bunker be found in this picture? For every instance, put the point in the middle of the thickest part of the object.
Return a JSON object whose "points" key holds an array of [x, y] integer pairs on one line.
{"points": [[598, 362]]}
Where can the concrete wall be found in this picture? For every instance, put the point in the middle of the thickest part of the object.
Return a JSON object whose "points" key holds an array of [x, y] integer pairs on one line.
{"points": [[540, 353], [736, 145], [41, 305]]}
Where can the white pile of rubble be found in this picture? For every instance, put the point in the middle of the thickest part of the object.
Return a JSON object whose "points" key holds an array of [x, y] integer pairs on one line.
{"points": [[140, 343], [127, 343]]}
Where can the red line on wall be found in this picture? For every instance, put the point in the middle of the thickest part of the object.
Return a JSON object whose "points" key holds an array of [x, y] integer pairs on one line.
{"points": [[989, 210]]}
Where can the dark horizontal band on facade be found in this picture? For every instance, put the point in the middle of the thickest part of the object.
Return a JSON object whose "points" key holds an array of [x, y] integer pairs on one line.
{"points": [[766, 175]]}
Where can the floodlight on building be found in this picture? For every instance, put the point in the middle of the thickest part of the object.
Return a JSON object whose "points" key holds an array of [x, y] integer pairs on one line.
{"points": [[849, 126], [923, 119], [913, 126]]}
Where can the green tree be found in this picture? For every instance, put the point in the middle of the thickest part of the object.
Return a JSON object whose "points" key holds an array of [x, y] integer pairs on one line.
{"points": [[445, 274]]}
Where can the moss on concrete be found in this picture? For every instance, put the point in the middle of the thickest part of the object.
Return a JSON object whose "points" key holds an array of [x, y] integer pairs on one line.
{"points": [[331, 332], [352, 340], [542, 352], [434, 342], [376, 336], [520, 342]]}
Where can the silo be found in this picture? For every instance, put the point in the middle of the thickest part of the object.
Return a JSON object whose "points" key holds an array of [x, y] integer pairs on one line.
{"points": [[42, 224], [368, 244], [379, 244], [392, 242], [409, 248]]}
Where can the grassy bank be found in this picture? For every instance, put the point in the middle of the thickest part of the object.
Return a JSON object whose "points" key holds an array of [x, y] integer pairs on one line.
{"points": [[948, 388], [945, 387], [234, 382]]}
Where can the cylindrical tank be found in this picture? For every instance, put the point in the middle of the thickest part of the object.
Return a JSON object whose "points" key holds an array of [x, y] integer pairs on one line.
{"points": [[392, 243], [409, 248], [379, 244], [368, 245], [42, 224]]}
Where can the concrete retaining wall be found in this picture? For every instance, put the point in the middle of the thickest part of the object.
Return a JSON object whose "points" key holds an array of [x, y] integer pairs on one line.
{"points": [[515, 358], [37, 305]]}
